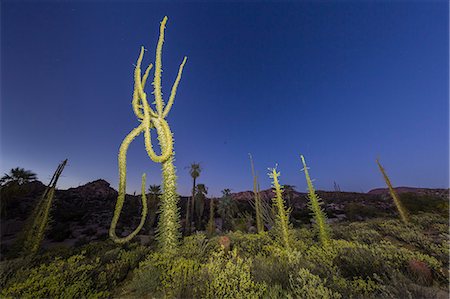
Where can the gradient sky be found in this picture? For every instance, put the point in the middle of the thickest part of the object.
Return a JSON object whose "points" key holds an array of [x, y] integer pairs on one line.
{"points": [[339, 82]]}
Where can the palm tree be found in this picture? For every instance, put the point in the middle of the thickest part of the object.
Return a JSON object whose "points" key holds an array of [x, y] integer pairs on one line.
{"points": [[11, 186], [194, 170], [200, 197], [19, 176], [153, 202]]}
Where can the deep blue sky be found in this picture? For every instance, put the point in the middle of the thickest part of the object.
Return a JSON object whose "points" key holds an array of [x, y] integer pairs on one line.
{"points": [[339, 82]]}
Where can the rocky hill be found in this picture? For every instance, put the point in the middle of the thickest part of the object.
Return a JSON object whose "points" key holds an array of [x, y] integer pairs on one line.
{"points": [[443, 193], [82, 214]]}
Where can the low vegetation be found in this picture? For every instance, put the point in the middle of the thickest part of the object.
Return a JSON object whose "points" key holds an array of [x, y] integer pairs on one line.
{"points": [[380, 258]]}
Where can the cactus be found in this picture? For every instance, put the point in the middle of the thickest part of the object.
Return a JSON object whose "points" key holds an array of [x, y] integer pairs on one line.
{"points": [[401, 210], [315, 206], [168, 226], [282, 217], [37, 223], [259, 220]]}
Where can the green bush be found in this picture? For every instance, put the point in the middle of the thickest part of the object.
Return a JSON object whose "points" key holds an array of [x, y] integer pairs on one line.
{"points": [[359, 261], [249, 244], [195, 247], [164, 275], [306, 285], [276, 292], [71, 278], [361, 232], [414, 236], [229, 276], [416, 203], [357, 211], [275, 264]]}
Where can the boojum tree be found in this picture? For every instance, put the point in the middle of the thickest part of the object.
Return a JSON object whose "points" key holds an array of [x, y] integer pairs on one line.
{"points": [[401, 210], [168, 226], [317, 212], [282, 216], [257, 199]]}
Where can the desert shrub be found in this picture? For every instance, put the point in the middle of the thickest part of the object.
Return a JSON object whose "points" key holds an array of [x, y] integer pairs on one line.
{"points": [[8, 269], [396, 259], [229, 276], [414, 236], [304, 235], [420, 272], [195, 247], [70, 278], [249, 244], [358, 211], [165, 275], [118, 262], [146, 282], [110, 255], [319, 261], [399, 256], [242, 222], [274, 265], [275, 292], [427, 220], [416, 203], [306, 285], [359, 261], [59, 232], [366, 288], [361, 232], [182, 279], [402, 287]]}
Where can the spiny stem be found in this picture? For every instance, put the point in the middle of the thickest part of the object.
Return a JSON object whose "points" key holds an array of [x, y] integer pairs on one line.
{"points": [[315, 205], [401, 210]]}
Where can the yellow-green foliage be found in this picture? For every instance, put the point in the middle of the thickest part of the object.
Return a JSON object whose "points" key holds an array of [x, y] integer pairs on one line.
{"points": [[315, 203], [168, 226], [401, 210], [196, 247], [249, 244], [37, 223], [258, 211], [282, 218], [71, 278], [168, 276], [306, 285], [229, 276]]}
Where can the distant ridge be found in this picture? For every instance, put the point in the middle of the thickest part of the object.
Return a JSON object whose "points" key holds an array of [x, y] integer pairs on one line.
{"points": [[420, 191]]}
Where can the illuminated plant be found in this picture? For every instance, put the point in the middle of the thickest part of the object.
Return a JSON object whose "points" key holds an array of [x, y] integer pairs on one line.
{"points": [[168, 225], [282, 217], [401, 210], [315, 205], [259, 220], [36, 225]]}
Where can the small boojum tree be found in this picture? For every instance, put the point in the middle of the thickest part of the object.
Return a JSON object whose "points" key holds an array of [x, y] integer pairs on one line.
{"points": [[401, 210], [257, 199], [282, 215], [315, 205]]}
